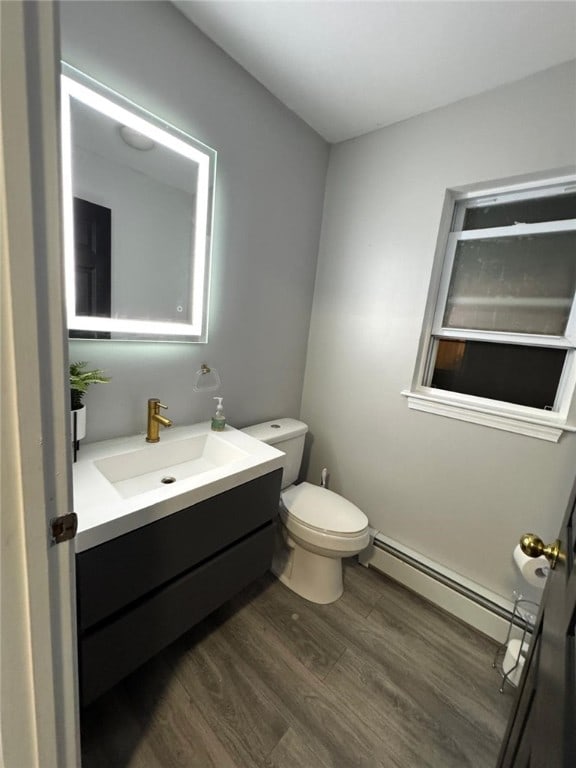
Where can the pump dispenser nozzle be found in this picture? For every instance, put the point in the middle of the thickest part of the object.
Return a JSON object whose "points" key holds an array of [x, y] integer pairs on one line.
{"points": [[219, 420]]}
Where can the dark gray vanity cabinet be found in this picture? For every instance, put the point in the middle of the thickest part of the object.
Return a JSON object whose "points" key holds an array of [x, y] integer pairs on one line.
{"points": [[139, 592]]}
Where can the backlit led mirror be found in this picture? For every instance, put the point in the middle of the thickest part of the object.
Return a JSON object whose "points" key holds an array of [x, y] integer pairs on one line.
{"points": [[137, 219]]}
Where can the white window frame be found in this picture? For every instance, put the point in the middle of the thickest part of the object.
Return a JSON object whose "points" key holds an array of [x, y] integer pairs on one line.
{"points": [[533, 422]]}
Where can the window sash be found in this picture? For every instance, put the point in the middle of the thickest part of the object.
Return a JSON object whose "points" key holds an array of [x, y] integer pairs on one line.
{"points": [[461, 204], [504, 337], [565, 384], [540, 227], [438, 329]]}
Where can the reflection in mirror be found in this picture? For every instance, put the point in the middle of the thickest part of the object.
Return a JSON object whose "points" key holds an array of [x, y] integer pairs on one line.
{"points": [[137, 213]]}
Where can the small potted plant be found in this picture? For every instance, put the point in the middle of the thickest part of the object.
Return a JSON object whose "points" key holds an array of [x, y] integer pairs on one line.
{"points": [[80, 380]]}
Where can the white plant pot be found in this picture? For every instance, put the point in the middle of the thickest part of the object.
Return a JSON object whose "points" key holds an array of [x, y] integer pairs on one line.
{"points": [[80, 423]]}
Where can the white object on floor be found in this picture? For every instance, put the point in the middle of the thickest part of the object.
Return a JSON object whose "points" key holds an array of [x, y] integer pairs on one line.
{"points": [[514, 659], [318, 527]]}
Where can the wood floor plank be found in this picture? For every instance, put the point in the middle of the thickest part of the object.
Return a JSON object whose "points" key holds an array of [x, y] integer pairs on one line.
{"points": [[153, 717], [461, 658], [231, 700], [379, 679], [293, 751], [174, 725], [479, 725], [318, 650], [363, 587], [410, 714], [334, 733], [120, 734], [394, 639]]}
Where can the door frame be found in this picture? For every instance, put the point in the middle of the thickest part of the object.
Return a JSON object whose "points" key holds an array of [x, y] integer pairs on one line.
{"points": [[39, 711]]}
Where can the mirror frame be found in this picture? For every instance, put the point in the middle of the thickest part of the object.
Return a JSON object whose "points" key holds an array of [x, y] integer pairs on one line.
{"points": [[77, 85]]}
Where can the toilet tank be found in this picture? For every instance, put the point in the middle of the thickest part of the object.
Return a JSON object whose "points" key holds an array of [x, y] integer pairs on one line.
{"points": [[286, 435]]}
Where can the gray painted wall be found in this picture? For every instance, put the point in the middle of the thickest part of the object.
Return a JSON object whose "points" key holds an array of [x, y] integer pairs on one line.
{"points": [[269, 195], [459, 493]]}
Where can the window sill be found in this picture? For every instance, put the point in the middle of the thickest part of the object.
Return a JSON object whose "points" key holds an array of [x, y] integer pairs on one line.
{"points": [[549, 429]]}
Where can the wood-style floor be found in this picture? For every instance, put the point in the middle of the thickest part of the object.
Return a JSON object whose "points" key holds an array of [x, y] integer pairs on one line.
{"points": [[379, 679]]}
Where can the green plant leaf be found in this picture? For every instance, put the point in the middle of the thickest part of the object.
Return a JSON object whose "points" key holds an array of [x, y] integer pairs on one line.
{"points": [[81, 379]]}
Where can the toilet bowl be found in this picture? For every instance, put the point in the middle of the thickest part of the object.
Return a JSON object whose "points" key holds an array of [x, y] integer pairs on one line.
{"points": [[317, 527]]}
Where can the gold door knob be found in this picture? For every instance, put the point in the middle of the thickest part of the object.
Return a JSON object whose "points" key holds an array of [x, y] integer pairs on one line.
{"points": [[533, 546]]}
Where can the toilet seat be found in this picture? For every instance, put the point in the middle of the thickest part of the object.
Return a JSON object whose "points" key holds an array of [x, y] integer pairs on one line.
{"points": [[324, 542], [319, 510]]}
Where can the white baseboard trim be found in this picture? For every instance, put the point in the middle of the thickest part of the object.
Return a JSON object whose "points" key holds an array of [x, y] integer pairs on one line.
{"points": [[430, 583]]}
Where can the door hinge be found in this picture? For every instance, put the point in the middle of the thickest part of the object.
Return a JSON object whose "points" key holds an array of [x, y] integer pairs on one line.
{"points": [[64, 528]]}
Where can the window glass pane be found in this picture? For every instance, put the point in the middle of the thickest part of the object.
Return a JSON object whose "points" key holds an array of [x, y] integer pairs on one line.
{"points": [[539, 209], [518, 284], [512, 373]]}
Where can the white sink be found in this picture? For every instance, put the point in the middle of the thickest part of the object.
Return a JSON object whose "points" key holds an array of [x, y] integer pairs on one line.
{"points": [[167, 463], [125, 483]]}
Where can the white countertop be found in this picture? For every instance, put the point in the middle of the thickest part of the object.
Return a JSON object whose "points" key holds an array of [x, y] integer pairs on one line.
{"points": [[102, 512]]}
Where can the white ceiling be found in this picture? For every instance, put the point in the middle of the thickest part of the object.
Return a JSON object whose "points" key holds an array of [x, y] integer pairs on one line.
{"points": [[347, 67]]}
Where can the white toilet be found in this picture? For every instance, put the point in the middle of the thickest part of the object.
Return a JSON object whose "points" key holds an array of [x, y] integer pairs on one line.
{"points": [[318, 527]]}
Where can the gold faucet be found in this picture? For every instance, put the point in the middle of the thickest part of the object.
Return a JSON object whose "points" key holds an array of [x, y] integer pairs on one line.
{"points": [[155, 419]]}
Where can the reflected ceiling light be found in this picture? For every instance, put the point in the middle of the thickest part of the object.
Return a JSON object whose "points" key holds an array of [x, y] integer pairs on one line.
{"points": [[135, 139]]}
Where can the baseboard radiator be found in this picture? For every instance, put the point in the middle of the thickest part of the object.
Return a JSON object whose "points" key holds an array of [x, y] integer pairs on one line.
{"points": [[485, 611]]}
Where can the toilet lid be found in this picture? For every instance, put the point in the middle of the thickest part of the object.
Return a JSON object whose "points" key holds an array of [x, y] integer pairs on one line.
{"points": [[322, 509]]}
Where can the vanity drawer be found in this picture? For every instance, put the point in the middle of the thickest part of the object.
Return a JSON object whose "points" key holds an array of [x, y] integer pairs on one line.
{"points": [[114, 574], [112, 651]]}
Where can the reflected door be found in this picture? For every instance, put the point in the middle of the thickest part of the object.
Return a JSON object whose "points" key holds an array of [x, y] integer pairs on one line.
{"points": [[92, 239]]}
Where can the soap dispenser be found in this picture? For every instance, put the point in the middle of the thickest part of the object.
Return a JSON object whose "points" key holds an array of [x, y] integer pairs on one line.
{"points": [[219, 420]]}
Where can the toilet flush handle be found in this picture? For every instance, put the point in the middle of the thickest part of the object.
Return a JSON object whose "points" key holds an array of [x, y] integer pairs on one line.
{"points": [[324, 478]]}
